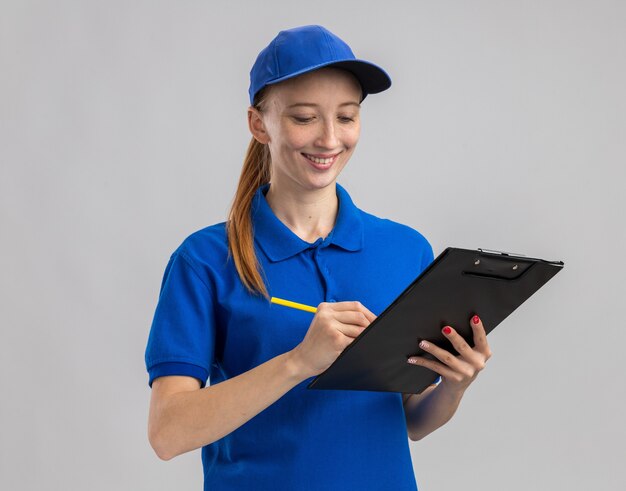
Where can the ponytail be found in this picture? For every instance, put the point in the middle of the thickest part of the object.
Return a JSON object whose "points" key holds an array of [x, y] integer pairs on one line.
{"points": [[239, 230]]}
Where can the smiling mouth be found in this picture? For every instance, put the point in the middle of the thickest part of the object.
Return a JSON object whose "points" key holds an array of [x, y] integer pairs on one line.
{"points": [[319, 162]]}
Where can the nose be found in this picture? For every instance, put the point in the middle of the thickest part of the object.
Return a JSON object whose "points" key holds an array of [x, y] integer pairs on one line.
{"points": [[328, 136]]}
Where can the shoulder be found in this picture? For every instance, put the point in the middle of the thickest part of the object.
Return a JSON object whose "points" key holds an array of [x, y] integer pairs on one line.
{"points": [[386, 229], [391, 232], [206, 247]]}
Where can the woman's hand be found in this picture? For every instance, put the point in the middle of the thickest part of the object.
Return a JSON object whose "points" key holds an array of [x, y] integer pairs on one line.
{"points": [[333, 328], [457, 372]]}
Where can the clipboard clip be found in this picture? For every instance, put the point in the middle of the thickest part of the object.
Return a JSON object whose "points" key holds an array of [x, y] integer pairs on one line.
{"points": [[502, 253]]}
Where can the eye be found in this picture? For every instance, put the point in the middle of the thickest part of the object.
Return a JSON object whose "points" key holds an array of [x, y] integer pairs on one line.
{"points": [[346, 119], [302, 119]]}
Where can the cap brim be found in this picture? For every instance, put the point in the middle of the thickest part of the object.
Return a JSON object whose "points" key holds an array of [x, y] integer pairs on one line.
{"points": [[372, 78]]}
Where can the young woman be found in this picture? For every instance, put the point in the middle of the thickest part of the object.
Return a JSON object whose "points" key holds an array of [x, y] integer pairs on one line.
{"points": [[294, 233]]}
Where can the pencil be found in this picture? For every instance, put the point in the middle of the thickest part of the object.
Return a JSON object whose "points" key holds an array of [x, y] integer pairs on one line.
{"points": [[294, 305]]}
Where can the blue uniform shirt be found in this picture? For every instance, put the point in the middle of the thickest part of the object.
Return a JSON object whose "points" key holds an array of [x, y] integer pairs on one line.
{"points": [[206, 324]]}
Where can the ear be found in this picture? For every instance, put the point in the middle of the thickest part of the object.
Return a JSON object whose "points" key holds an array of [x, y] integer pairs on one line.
{"points": [[256, 126]]}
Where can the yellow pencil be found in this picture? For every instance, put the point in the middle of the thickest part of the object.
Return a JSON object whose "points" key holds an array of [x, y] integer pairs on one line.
{"points": [[294, 305]]}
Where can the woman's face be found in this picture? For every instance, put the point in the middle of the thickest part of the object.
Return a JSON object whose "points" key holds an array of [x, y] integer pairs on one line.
{"points": [[311, 125]]}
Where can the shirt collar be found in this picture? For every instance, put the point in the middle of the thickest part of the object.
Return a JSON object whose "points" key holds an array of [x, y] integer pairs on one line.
{"points": [[279, 242]]}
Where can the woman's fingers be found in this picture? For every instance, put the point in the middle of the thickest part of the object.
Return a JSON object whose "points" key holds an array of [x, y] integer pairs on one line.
{"points": [[435, 366], [369, 314], [455, 363], [461, 369], [480, 337], [346, 312], [465, 351], [355, 306], [350, 318], [451, 368], [351, 323]]}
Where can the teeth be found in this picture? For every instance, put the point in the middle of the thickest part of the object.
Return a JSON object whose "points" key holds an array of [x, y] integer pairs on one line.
{"points": [[319, 161]]}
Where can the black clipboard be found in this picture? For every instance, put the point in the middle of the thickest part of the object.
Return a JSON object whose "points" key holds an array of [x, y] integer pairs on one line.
{"points": [[458, 284]]}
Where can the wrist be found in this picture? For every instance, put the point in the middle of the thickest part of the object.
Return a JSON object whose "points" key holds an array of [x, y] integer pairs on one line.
{"points": [[295, 367], [451, 390]]}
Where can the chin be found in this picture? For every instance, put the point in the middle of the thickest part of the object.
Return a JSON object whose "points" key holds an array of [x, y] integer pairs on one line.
{"points": [[321, 182]]}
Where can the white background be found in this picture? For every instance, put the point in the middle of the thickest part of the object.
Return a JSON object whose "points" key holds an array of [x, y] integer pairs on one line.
{"points": [[123, 129]]}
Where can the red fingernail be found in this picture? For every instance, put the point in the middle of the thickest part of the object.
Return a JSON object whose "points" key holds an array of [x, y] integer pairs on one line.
{"points": [[476, 319], [447, 330]]}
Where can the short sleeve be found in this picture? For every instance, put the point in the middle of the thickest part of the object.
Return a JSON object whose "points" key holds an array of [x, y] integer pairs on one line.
{"points": [[182, 335]]}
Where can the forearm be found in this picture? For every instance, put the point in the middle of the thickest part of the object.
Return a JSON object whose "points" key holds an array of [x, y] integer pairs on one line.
{"points": [[192, 419], [430, 410]]}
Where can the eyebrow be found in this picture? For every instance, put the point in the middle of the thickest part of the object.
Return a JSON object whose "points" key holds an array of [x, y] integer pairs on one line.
{"points": [[310, 104]]}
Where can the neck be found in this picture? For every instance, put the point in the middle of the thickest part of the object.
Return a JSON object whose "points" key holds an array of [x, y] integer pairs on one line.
{"points": [[310, 214]]}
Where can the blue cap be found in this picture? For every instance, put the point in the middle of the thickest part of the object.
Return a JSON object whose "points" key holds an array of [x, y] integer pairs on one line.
{"points": [[303, 49]]}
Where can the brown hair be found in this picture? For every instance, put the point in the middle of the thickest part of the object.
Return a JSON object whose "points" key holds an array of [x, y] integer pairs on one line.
{"points": [[239, 230]]}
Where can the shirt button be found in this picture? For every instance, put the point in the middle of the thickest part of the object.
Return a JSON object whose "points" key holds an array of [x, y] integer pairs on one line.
{"points": [[332, 300]]}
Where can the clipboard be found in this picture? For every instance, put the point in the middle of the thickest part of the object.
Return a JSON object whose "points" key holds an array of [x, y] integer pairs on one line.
{"points": [[458, 284]]}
